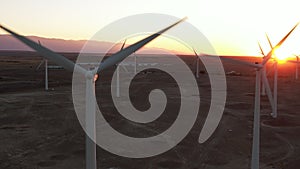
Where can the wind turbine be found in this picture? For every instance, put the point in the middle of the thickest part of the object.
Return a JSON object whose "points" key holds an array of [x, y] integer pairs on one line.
{"points": [[263, 90], [90, 78], [275, 86], [259, 76], [135, 63], [297, 66], [197, 63], [45, 61], [118, 74]]}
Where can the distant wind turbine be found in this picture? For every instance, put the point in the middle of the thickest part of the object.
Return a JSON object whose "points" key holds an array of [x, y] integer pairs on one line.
{"points": [[118, 74], [263, 90], [259, 76], [275, 86], [90, 77], [197, 63], [45, 61], [135, 63], [297, 66]]}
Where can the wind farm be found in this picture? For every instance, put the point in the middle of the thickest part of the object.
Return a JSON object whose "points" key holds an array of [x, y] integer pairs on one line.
{"points": [[41, 128]]}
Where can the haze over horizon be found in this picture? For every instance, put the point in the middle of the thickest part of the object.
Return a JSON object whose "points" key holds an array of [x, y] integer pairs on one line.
{"points": [[233, 27], [9, 43]]}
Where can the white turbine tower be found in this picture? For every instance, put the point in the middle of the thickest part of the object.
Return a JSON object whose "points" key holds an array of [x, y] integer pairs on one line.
{"points": [[46, 72], [259, 76], [135, 63], [46, 75], [296, 66], [90, 77]]}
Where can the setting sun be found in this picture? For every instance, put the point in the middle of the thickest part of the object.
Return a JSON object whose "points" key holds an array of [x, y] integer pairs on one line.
{"points": [[281, 55]]}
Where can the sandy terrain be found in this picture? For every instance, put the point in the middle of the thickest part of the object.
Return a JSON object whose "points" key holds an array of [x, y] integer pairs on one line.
{"points": [[39, 129]]}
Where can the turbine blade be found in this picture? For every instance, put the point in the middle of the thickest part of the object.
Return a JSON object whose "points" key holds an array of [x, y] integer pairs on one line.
{"points": [[261, 50], [237, 61], [269, 41], [38, 67], [269, 55], [123, 44], [195, 52], [45, 52], [197, 56], [121, 55]]}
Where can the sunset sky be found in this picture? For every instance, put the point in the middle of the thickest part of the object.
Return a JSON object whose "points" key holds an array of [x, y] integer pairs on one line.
{"points": [[232, 26]]}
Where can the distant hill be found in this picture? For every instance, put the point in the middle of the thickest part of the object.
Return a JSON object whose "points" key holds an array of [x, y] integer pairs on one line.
{"points": [[9, 43]]}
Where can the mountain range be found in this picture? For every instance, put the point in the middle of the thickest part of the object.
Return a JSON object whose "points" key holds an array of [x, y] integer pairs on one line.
{"points": [[9, 43]]}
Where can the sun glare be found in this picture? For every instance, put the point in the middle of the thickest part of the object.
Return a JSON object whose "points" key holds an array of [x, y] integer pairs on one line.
{"points": [[281, 55]]}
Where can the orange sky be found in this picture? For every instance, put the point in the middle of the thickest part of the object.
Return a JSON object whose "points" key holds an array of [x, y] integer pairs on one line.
{"points": [[232, 26]]}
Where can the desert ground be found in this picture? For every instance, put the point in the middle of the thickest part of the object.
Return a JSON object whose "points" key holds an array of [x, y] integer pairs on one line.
{"points": [[39, 129]]}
